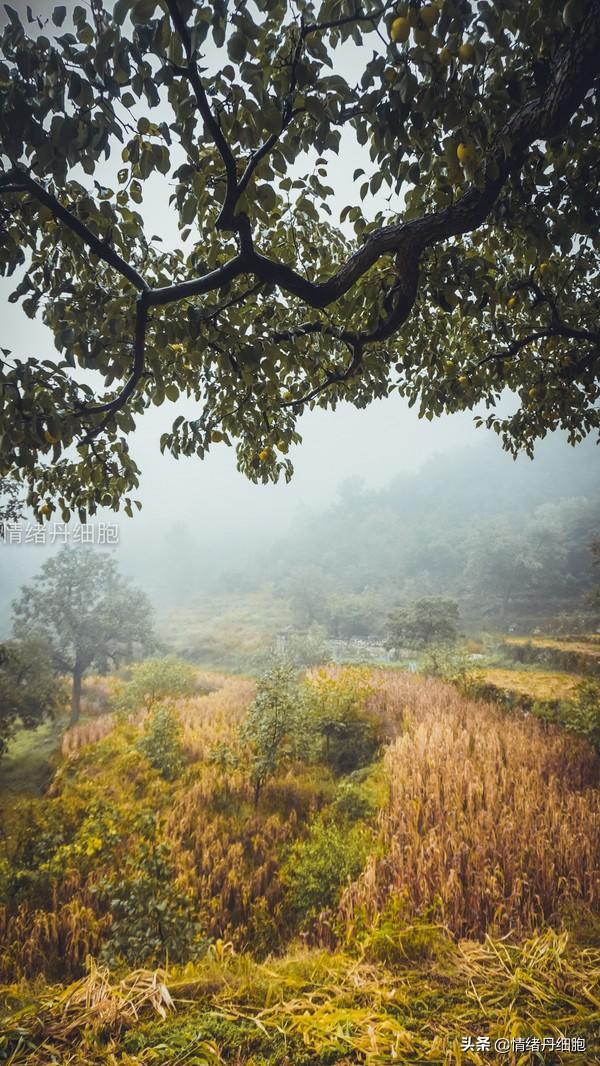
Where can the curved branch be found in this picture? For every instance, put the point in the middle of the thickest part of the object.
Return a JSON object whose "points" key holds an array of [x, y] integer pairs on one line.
{"points": [[226, 215], [574, 74], [112, 406], [18, 180], [337, 378], [543, 334]]}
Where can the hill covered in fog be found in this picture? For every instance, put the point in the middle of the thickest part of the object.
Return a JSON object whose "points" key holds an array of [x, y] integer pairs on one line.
{"points": [[497, 535]]}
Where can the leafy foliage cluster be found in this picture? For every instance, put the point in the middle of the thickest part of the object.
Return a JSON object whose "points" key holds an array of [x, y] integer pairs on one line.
{"points": [[422, 623], [162, 743], [152, 918], [579, 715], [480, 139], [318, 867], [323, 720], [156, 681], [29, 689]]}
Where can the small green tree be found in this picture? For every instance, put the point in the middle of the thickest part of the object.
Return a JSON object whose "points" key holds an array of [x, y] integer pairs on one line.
{"points": [[29, 690], [432, 620], [346, 734], [446, 661], [88, 614], [162, 743], [156, 681], [272, 727]]}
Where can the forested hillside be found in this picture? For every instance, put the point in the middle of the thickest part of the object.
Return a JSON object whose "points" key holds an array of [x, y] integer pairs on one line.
{"points": [[517, 548]]}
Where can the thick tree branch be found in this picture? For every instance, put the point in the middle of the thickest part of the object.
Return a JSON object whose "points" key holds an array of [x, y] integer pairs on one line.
{"points": [[112, 406], [17, 179], [572, 75]]}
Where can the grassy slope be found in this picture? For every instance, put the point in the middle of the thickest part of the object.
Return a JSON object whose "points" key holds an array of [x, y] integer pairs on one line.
{"points": [[27, 765], [393, 991]]}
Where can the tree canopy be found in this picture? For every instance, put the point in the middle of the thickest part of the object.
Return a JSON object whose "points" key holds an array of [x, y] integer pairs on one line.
{"points": [[29, 690], [88, 614], [423, 622], [478, 129]]}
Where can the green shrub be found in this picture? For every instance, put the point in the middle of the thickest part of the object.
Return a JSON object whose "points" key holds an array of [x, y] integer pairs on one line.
{"points": [[582, 715], [351, 804], [152, 920], [161, 743], [156, 682], [346, 734], [318, 868], [395, 941]]}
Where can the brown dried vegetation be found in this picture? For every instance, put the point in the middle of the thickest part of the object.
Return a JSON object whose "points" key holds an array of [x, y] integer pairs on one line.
{"points": [[493, 819]]}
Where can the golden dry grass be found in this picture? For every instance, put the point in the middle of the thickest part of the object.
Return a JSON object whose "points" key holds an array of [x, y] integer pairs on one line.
{"points": [[493, 820], [489, 821], [206, 718], [587, 645], [538, 684], [318, 1007]]}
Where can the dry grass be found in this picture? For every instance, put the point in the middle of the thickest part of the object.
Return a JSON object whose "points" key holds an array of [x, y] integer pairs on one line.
{"points": [[214, 718], [539, 685], [81, 735], [587, 645], [35, 941], [205, 716], [493, 820], [319, 1008]]}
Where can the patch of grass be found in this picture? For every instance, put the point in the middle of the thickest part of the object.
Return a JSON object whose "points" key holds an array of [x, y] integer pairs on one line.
{"points": [[538, 684], [28, 763]]}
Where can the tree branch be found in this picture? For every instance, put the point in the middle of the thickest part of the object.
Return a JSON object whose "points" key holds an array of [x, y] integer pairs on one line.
{"points": [[17, 179], [227, 218], [112, 406], [543, 334]]}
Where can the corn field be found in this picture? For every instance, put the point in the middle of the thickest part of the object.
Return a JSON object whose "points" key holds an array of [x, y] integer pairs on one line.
{"points": [[488, 824], [492, 821]]}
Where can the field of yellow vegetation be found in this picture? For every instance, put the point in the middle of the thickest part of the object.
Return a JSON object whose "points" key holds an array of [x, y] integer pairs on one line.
{"points": [[586, 645], [537, 684], [448, 889]]}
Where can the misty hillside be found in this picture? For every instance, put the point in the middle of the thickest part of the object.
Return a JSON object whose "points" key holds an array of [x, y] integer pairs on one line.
{"points": [[491, 532]]}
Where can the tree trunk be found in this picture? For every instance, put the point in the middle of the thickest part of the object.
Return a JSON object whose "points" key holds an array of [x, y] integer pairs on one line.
{"points": [[76, 696]]}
